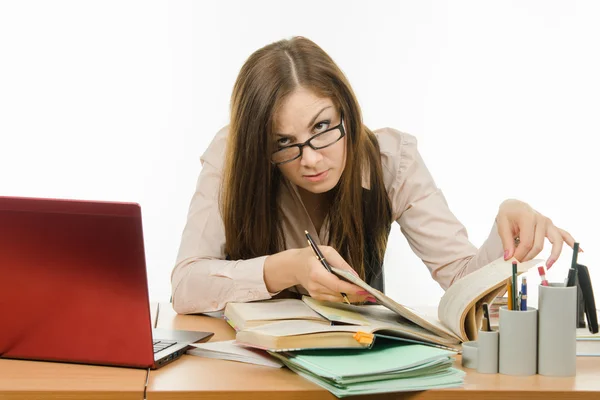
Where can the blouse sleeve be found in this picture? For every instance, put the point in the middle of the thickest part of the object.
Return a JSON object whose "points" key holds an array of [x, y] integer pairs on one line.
{"points": [[202, 279]]}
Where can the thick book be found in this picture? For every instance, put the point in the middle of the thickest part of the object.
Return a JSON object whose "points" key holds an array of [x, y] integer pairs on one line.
{"points": [[357, 326]]}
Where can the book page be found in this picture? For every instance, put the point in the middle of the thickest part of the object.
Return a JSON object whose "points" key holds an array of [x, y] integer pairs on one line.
{"points": [[474, 317], [411, 315], [299, 327], [269, 310], [228, 350], [337, 312], [462, 297], [376, 318]]}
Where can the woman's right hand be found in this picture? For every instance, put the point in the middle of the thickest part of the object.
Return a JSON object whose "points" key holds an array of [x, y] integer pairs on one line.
{"points": [[322, 284]]}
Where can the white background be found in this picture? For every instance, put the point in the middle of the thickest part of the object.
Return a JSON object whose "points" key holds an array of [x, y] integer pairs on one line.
{"points": [[117, 100]]}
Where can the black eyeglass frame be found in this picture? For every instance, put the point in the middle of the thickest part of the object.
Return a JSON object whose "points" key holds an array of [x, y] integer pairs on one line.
{"points": [[300, 146]]}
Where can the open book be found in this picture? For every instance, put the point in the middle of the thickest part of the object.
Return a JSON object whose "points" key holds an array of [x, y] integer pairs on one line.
{"points": [[347, 326], [353, 327]]}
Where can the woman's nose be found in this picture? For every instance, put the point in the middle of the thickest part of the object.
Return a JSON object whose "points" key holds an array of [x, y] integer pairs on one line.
{"points": [[310, 157]]}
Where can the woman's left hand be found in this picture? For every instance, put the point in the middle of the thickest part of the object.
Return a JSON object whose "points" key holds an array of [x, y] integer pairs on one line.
{"points": [[517, 219]]}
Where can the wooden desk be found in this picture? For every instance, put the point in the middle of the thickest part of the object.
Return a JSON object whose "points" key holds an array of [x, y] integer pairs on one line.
{"points": [[196, 377], [36, 379]]}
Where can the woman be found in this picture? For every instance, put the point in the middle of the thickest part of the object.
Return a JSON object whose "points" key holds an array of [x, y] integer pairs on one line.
{"points": [[296, 156]]}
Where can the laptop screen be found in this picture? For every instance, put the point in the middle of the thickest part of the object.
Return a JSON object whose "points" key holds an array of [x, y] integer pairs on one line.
{"points": [[73, 282]]}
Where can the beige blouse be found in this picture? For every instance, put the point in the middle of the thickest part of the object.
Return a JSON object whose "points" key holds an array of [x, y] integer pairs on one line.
{"points": [[204, 281]]}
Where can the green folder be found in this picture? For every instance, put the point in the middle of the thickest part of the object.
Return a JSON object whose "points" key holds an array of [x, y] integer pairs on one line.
{"points": [[390, 366], [450, 378], [385, 356]]}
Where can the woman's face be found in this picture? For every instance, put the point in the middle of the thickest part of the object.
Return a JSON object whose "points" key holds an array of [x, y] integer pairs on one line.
{"points": [[302, 116]]}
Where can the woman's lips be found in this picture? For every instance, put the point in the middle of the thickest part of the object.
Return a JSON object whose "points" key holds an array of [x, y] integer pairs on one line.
{"points": [[317, 177]]}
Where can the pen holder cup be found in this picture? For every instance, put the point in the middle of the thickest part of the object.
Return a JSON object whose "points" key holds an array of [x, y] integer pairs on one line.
{"points": [[557, 331], [518, 342], [487, 352], [469, 354]]}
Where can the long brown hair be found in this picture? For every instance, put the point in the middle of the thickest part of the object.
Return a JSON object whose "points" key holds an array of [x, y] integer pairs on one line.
{"points": [[249, 202]]}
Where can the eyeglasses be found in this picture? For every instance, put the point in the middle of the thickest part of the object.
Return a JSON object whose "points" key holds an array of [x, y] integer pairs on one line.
{"points": [[317, 142]]}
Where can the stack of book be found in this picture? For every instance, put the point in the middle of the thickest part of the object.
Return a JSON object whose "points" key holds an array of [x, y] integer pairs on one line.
{"points": [[390, 366]]}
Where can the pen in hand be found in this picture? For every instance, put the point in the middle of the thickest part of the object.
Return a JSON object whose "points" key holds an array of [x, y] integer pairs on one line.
{"points": [[322, 259]]}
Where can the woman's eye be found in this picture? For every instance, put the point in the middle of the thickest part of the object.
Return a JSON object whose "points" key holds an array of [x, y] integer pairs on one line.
{"points": [[322, 126], [283, 142]]}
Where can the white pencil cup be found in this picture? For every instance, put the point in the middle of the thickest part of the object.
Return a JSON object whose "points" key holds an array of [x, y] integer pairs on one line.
{"points": [[487, 352], [469, 354], [557, 330], [518, 342]]}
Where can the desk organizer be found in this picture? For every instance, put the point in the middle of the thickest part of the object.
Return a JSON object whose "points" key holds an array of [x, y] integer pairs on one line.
{"points": [[487, 352], [518, 341], [557, 330], [469, 354]]}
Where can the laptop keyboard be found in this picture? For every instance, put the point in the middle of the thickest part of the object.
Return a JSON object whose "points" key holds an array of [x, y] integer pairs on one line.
{"points": [[160, 345]]}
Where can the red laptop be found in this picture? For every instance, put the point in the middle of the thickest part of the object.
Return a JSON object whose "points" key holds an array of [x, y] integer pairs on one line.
{"points": [[73, 286]]}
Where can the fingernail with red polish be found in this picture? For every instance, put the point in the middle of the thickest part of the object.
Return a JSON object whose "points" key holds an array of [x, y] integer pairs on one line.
{"points": [[372, 299], [549, 263], [506, 253], [362, 293]]}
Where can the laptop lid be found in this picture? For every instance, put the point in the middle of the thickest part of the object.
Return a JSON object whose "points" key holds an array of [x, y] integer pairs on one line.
{"points": [[74, 285]]}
